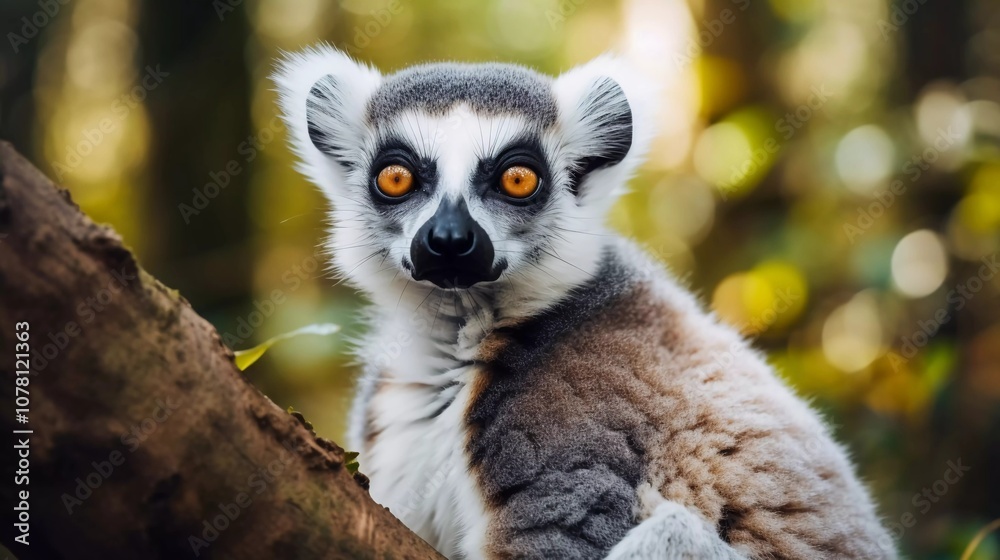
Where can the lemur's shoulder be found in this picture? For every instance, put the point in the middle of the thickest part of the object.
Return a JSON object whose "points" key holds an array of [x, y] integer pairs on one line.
{"points": [[627, 388]]}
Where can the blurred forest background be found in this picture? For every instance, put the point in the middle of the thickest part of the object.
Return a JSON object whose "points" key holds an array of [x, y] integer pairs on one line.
{"points": [[827, 177]]}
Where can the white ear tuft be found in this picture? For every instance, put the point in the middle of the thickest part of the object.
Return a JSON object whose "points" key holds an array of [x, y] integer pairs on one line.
{"points": [[323, 95], [606, 119]]}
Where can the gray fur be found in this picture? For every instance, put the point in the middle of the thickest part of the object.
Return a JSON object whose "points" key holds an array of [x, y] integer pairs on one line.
{"points": [[488, 88], [326, 122], [609, 114], [563, 485]]}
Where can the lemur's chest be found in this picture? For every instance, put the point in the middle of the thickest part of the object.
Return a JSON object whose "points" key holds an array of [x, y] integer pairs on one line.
{"points": [[418, 464], [417, 433], [504, 428]]}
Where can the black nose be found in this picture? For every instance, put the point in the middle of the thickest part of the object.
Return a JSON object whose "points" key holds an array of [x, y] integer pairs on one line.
{"points": [[452, 237], [452, 250]]}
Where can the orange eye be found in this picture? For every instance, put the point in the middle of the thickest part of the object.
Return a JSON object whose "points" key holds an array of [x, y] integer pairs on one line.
{"points": [[395, 181], [518, 182]]}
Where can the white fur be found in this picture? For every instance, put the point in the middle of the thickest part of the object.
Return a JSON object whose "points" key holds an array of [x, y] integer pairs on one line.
{"points": [[673, 532], [580, 134], [296, 75], [418, 467]]}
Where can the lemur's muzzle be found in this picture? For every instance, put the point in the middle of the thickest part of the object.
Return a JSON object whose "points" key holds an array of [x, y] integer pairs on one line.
{"points": [[452, 250]]}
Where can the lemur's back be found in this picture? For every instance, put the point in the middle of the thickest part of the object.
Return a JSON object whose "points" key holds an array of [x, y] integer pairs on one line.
{"points": [[533, 387]]}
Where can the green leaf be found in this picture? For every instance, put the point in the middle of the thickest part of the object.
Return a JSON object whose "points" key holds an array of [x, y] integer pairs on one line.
{"points": [[350, 461], [246, 358]]}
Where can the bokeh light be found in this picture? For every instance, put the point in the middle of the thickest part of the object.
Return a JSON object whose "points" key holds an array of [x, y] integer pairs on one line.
{"points": [[769, 296], [919, 264], [852, 334], [865, 158]]}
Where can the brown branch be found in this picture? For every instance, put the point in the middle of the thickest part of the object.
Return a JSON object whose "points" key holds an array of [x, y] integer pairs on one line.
{"points": [[148, 443]]}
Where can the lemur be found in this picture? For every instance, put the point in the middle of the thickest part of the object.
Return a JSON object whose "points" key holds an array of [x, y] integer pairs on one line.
{"points": [[534, 385]]}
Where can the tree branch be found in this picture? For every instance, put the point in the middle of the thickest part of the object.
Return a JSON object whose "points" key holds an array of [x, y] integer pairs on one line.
{"points": [[148, 442]]}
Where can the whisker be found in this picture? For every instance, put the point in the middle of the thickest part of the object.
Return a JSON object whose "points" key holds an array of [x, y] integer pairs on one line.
{"points": [[363, 261], [401, 292]]}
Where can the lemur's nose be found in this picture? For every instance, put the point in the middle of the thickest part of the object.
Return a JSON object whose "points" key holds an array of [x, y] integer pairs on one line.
{"points": [[452, 250], [451, 238]]}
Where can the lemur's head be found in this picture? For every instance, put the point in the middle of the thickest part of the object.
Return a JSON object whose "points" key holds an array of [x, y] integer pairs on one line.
{"points": [[461, 175]]}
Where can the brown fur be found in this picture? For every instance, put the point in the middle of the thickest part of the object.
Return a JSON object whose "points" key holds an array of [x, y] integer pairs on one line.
{"points": [[721, 436]]}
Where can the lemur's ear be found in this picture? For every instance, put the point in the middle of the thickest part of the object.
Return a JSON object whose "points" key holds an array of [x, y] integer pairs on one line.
{"points": [[323, 95], [604, 121]]}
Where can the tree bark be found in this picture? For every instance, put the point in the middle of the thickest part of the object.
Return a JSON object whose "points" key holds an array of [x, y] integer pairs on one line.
{"points": [[147, 441]]}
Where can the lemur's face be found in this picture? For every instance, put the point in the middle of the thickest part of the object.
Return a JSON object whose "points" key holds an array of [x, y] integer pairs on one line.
{"points": [[454, 175]]}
